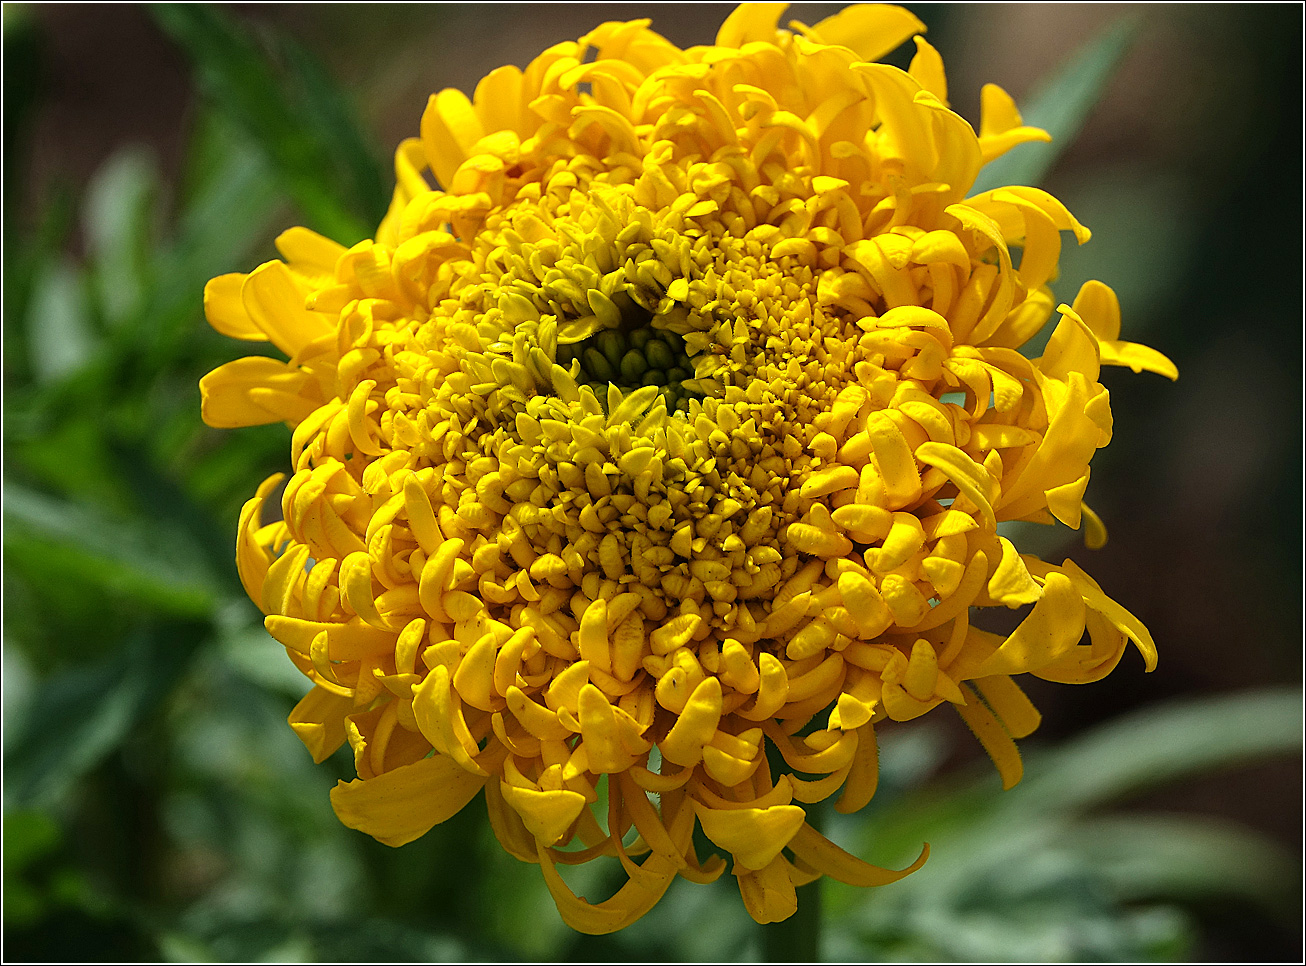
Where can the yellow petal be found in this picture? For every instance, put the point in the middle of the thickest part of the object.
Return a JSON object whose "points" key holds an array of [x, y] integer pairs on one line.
{"points": [[754, 836], [319, 721], [352, 641], [1099, 307], [647, 821], [275, 303], [1094, 597], [993, 736], [1053, 627], [1095, 535], [773, 689], [1011, 583], [537, 720], [970, 478], [865, 603], [356, 587], [1072, 348], [474, 679], [1137, 357], [828, 859], [927, 68], [749, 22], [449, 129], [498, 100], [610, 735], [695, 726], [404, 804], [893, 458], [726, 768], [1066, 502], [632, 900], [768, 893], [508, 826], [253, 391], [1004, 696], [864, 776], [870, 30], [252, 555], [441, 723], [309, 252], [546, 814], [225, 309]]}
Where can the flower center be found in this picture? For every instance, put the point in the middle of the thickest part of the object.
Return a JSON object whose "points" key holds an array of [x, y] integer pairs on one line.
{"points": [[618, 404], [629, 359]]}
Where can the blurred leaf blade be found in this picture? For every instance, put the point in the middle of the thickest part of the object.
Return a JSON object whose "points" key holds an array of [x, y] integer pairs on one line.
{"points": [[58, 327], [1123, 757], [241, 82], [77, 718], [234, 204], [1149, 856], [118, 214], [330, 113], [159, 567], [1061, 104], [1161, 744]]}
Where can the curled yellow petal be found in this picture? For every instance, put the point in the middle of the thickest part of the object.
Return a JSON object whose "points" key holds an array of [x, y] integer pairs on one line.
{"points": [[754, 836], [547, 814], [1053, 627], [319, 721], [632, 900], [695, 726], [827, 858], [870, 29], [399, 806], [768, 893]]}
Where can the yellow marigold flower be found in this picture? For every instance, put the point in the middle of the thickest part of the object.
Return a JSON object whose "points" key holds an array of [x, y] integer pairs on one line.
{"points": [[675, 426]]}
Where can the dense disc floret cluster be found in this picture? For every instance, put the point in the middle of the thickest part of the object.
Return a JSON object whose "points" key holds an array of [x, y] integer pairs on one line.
{"points": [[675, 428]]}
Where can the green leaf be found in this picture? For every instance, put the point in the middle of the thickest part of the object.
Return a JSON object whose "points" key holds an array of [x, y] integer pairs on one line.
{"points": [[240, 81], [161, 567], [70, 457], [60, 338], [1121, 758], [76, 719], [1154, 746], [1166, 856], [329, 112], [28, 837], [231, 206], [118, 215], [1060, 105], [154, 346]]}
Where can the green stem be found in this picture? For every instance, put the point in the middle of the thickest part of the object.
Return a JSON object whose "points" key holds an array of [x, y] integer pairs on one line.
{"points": [[798, 938]]}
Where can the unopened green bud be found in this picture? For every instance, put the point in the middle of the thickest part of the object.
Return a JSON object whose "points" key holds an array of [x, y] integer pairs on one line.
{"points": [[633, 366], [659, 354], [597, 365], [613, 346]]}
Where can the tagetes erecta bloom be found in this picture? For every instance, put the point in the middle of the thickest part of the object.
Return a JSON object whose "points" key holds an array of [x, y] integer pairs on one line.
{"points": [[675, 427]]}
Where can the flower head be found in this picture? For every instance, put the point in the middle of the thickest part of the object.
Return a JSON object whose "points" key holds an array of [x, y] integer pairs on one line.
{"points": [[675, 428]]}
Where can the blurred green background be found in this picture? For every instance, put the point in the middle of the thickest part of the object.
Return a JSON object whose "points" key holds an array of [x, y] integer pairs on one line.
{"points": [[156, 806]]}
